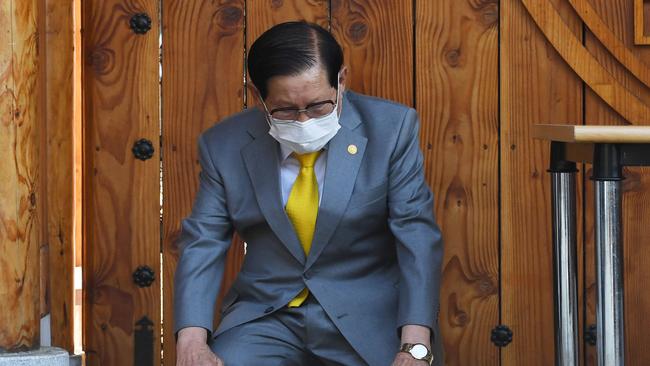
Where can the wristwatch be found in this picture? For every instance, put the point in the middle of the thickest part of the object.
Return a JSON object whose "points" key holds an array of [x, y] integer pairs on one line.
{"points": [[418, 351]]}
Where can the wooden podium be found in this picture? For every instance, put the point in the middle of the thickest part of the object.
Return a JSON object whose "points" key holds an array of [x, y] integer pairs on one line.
{"points": [[608, 149]]}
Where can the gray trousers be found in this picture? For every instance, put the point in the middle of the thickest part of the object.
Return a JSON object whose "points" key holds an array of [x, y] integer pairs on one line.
{"points": [[302, 336]]}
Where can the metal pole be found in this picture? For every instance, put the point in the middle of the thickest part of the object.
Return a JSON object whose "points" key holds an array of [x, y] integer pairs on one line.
{"points": [[563, 185], [609, 259], [564, 257], [609, 266]]}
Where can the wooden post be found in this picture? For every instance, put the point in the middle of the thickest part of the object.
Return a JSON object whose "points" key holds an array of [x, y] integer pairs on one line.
{"points": [[19, 176], [57, 60]]}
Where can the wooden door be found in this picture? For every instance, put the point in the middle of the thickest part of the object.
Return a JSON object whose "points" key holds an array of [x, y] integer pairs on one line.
{"points": [[202, 84], [479, 73], [121, 190]]}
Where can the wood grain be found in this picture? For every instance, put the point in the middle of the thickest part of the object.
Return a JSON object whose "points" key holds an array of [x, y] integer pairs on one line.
{"points": [[377, 41], [584, 64], [529, 96], [457, 98], [58, 114], [78, 156], [121, 193], [636, 199], [203, 69], [640, 37], [613, 43], [263, 14], [44, 248], [20, 191], [623, 73], [267, 13], [78, 140]]}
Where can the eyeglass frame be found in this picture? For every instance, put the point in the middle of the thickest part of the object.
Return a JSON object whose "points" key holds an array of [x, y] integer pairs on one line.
{"points": [[305, 110]]}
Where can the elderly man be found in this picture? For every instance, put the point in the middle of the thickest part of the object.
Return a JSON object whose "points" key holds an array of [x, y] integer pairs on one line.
{"points": [[327, 188]]}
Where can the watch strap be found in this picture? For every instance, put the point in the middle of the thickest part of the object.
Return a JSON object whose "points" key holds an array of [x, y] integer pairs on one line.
{"points": [[407, 347]]}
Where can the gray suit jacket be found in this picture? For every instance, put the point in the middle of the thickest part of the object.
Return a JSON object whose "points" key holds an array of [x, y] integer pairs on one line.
{"points": [[376, 255]]}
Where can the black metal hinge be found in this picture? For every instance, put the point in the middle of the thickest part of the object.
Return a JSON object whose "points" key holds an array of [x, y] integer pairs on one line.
{"points": [[143, 342]]}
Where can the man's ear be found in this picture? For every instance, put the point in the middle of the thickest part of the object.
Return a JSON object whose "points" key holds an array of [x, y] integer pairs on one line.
{"points": [[255, 93], [343, 78], [253, 89]]}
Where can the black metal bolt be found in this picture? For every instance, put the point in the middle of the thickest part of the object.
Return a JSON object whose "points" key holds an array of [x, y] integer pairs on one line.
{"points": [[591, 335], [143, 149], [140, 23], [144, 276], [501, 336]]}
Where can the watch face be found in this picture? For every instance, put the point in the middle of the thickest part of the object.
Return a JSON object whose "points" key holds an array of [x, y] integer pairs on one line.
{"points": [[419, 351]]}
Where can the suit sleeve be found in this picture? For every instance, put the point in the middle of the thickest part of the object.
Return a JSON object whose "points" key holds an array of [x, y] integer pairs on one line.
{"points": [[418, 238], [206, 235]]}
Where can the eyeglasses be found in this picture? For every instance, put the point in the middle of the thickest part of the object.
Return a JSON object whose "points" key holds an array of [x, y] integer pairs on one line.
{"points": [[314, 110]]}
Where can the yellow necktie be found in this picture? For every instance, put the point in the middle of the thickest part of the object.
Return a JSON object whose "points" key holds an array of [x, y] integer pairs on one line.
{"points": [[302, 208]]}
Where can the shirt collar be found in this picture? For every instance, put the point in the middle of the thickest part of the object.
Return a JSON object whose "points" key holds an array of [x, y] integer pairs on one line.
{"points": [[285, 151]]}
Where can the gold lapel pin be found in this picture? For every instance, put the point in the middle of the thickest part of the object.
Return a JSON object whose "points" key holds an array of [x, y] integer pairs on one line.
{"points": [[352, 149]]}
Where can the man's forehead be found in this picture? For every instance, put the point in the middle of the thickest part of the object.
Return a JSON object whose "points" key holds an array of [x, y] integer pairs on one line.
{"points": [[307, 87]]}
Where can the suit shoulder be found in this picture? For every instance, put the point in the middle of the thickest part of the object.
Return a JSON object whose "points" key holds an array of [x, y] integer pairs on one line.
{"points": [[367, 103], [382, 114], [232, 128]]}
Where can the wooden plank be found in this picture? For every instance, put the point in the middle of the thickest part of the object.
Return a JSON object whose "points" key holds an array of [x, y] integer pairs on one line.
{"points": [[78, 140], [617, 15], [597, 134], [584, 64], [377, 41], [58, 88], [613, 43], [636, 205], [20, 191], [263, 14], [122, 193], [529, 96], [44, 246], [640, 37], [646, 23], [78, 153], [457, 98], [201, 85]]}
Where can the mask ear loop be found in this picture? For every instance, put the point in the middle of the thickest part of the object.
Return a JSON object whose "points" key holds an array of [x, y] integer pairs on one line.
{"points": [[267, 115], [338, 89]]}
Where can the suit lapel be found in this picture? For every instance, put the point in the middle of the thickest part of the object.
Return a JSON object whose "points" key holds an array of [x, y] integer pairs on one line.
{"points": [[262, 163], [340, 175]]}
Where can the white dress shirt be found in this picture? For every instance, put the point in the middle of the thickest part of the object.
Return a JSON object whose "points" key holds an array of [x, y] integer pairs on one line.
{"points": [[289, 168]]}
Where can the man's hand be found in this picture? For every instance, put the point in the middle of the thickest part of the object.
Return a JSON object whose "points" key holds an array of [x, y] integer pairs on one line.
{"points": [[192, 349], [405, 359]]}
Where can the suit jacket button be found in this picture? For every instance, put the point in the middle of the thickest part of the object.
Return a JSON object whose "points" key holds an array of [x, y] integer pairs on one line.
{"points": [[268, 310], [306, 275]]}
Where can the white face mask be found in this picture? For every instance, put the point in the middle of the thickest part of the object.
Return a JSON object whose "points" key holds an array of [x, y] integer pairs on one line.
{"points": [[305, 137]]}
